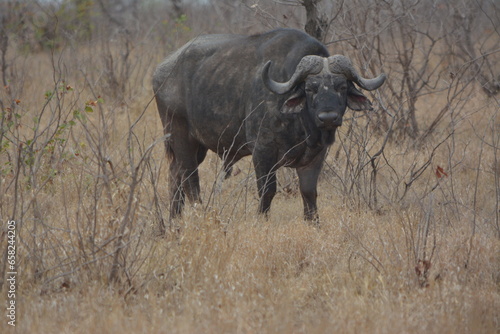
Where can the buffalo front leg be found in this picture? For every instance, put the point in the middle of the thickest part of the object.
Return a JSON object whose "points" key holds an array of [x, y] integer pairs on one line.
{"points": [[266, 183], [308, 184]]}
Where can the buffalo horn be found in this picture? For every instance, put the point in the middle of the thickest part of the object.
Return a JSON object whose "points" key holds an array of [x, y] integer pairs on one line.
{"points": [[342, 65], [307, 65]]}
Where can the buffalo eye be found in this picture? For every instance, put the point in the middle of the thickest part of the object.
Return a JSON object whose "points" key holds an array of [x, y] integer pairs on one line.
{"points": [[312, 88], [341, 87]]}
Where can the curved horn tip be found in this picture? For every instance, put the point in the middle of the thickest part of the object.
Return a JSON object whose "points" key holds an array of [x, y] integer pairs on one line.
{"points": [[267, 65], [372, 84], [273, 86], [340, 64], [308, 65], [382, 77]]}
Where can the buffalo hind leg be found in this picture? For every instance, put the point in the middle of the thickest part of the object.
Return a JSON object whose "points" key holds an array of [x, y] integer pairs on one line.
{"points": [[185, 156], [185, 181], [190, 177], [177, 195]]}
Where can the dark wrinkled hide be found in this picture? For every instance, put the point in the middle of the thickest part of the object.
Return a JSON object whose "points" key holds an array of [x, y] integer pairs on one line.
{"points": [[211, 95]]}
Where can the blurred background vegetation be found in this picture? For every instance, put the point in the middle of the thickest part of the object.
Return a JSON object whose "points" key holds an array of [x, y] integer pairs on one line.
{"points": [[424, 45]]}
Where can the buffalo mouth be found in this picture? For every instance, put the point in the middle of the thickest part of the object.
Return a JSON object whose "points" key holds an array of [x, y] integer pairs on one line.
{"points": [[328, 136], [329, 119]]}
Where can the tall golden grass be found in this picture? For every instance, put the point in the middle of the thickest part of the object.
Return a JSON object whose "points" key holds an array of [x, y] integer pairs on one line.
{"points": [[415, 249]]}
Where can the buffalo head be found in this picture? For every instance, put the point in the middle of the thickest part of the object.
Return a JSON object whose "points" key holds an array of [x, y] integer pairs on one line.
{"points": [[324, 87]]}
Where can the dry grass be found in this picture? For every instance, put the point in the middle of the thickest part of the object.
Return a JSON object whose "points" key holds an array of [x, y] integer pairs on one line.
{"points": [[424, 260], [356, 274]]}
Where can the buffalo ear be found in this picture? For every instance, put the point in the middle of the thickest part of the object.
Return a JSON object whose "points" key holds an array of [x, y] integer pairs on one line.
{"points": [[356, 100], [294, 104]]}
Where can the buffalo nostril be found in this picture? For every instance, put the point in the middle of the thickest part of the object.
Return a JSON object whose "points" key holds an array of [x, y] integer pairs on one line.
{"points": [[329, 117]]}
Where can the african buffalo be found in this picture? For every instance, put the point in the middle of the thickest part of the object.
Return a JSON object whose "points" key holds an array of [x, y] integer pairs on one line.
{"points": [[278, 96]]}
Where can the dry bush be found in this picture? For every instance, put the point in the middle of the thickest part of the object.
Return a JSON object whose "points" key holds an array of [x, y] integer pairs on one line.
{"points": [[409, 195]]}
